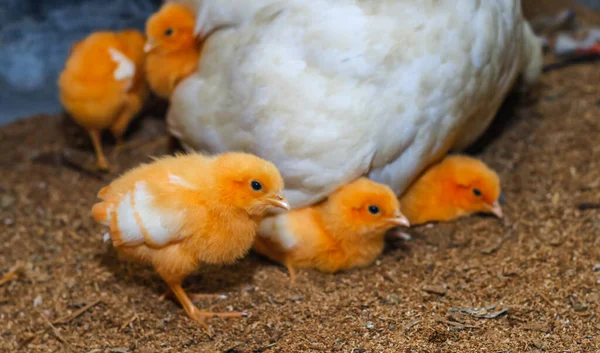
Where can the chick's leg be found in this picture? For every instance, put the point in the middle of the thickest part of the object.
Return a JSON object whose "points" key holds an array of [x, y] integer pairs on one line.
{"points": [[195, 313], [130, 109], [292, 272], [100, 158]]}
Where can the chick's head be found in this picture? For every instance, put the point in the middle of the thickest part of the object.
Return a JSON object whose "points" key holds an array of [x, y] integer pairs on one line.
{"points": [[250, 183], [364, 208], [170, 29], [475, 187]]}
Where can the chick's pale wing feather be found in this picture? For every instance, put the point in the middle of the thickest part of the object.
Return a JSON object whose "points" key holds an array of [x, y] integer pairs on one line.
{"points": [[278, 231], [125, 67], [135, 218]]}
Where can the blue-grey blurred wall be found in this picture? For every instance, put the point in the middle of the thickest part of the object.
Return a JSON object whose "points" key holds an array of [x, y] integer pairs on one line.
{"points": [[594, 4], [35, 37]]}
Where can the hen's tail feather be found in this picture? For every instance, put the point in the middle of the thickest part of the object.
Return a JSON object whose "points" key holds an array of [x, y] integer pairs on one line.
{"points": [[533, 55]]}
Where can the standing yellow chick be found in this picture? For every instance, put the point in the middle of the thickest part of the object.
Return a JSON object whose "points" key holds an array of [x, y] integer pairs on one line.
{"points": [[181, 211], [457, 186], [345, 231], [103, 84], [173, 51]]}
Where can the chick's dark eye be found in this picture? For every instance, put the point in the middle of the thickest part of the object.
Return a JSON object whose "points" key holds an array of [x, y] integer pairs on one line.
{"points": [[373, 209], [256, 186], [168, 32], [476, 192]]}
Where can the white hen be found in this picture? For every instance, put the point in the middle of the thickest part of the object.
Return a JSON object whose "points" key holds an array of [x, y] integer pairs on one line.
{"points": [[330, 90]]}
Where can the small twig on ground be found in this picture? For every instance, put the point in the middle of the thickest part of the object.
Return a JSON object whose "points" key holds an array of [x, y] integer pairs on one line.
{"points": [[435, 289], [56, 332], [118, 350], [67, 319], [482, 313], [129, 322], [390, 277], [9, 276], [492, 315], [12, 274], [30, 339], [546, 299], [411, 324], [583, 314]]}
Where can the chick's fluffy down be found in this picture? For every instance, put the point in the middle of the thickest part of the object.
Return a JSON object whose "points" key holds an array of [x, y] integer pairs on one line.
{"points": [[332, 90]]}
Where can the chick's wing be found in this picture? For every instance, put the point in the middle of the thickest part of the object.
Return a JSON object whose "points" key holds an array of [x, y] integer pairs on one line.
{"points": [[145, 212]]}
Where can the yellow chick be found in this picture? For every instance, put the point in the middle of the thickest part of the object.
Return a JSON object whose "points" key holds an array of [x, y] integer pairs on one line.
{"points": [[345, 231], [103, 84], [172, 49], [181, 211], [455, 187]]}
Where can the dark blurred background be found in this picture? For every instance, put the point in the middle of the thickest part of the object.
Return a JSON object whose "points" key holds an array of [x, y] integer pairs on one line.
{"points": [[35, 37]]}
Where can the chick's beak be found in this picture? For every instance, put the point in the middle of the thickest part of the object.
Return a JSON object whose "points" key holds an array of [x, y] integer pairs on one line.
{"points": [[496, 209], [149, 46], [399, 220], [279, 201]]}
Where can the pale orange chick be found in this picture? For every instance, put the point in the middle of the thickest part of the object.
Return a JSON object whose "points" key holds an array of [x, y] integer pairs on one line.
{"points": [[182, 211], [345, 231], [172, 48], [455, 187], [103, 86]]}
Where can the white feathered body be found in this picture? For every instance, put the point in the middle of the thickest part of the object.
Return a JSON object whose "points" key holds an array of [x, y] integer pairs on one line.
{"points": [[332, 90]]}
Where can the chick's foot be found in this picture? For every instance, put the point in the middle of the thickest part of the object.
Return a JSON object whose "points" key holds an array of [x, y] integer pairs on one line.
{"points": [[195, 313], [192, 296]]}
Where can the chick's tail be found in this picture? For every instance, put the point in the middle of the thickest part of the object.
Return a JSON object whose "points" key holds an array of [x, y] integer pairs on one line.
{"points": [[103, 213]]}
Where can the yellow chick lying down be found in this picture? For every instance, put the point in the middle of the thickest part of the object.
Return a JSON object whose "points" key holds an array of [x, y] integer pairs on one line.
{"points": [[457, 186], [345, 231], [181, 211]]}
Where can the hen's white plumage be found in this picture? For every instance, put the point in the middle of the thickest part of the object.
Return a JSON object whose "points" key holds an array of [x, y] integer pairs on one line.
{"points": [[332, 90]]}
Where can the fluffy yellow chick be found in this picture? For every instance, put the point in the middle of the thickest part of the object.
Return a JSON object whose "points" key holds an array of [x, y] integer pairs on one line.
{"points": [[457, 186], [345, 231], [103, 85], [172, 49], [181, 211]]}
